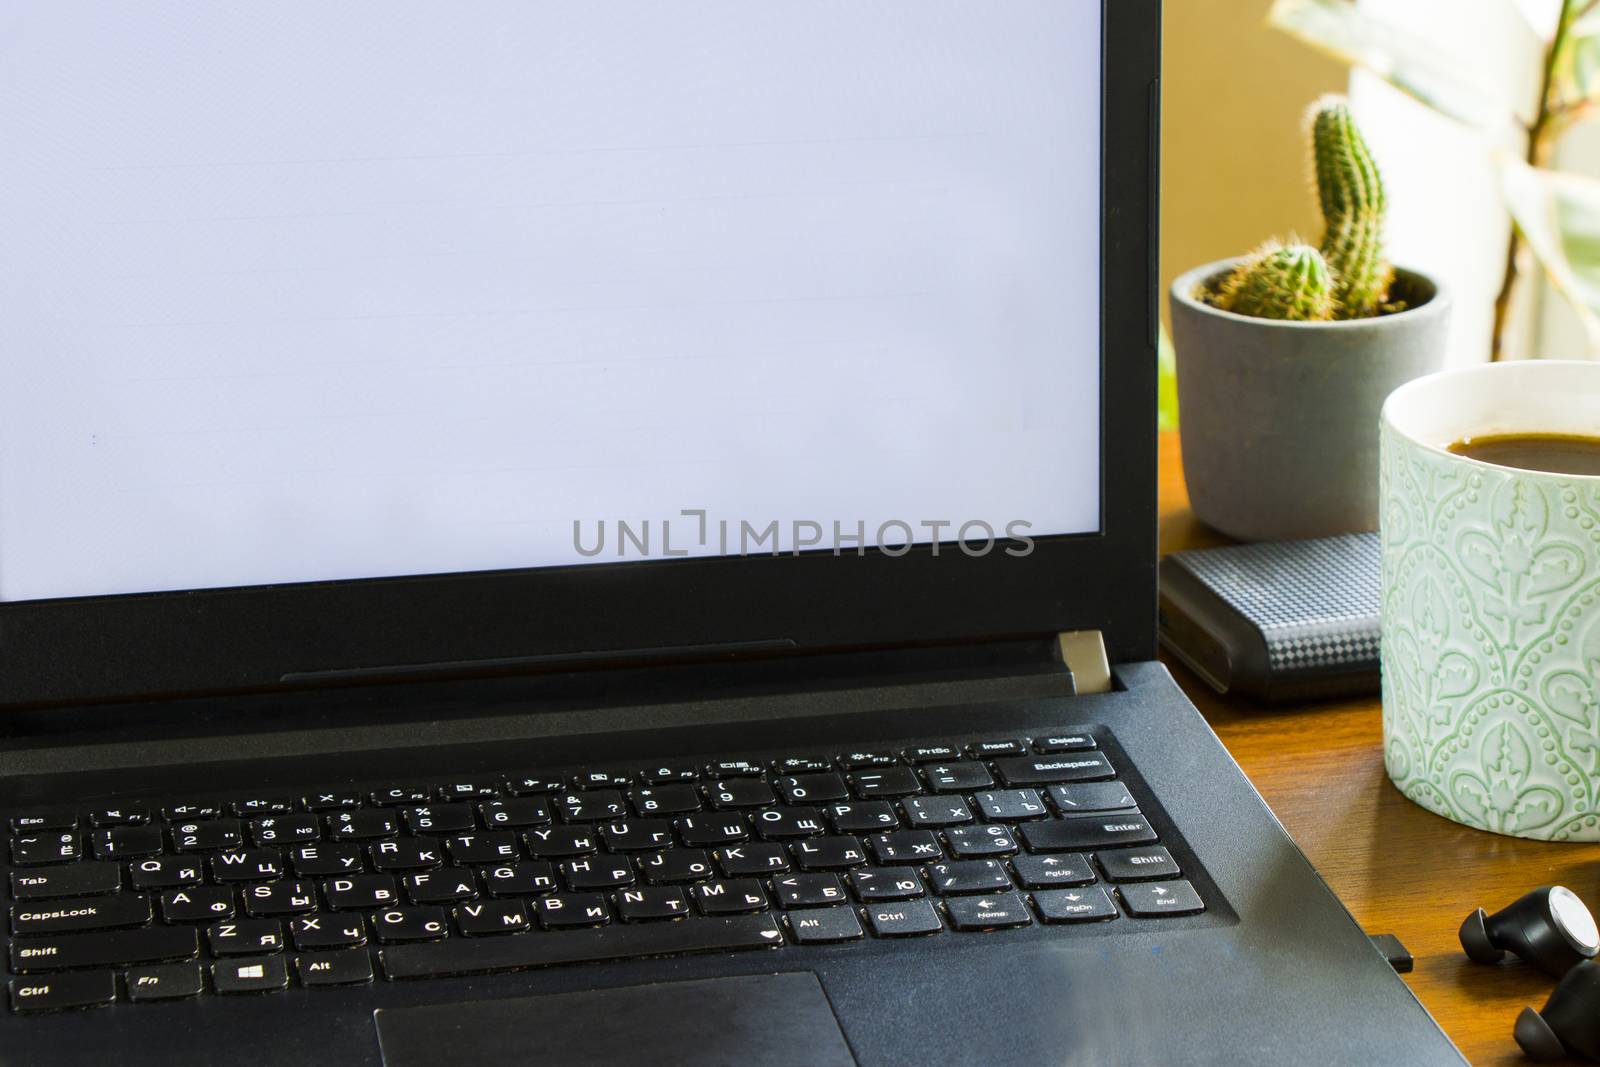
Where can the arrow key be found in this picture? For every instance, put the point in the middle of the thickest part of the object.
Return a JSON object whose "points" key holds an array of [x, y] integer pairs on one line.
{"points": [[1052, 872], [993, 912], [1074, 905], [1161, 898]]}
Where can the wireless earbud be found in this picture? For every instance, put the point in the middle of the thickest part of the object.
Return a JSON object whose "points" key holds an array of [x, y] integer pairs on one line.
{"points": [[1549, 928], [1570, 1022]]}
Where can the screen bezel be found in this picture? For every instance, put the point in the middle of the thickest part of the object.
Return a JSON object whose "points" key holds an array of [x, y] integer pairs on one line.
{"points": [[255, 638]]}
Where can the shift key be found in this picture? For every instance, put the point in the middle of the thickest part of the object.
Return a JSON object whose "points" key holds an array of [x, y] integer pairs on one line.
{"points": [[90, 913], [102, 950], [1078, 832]]}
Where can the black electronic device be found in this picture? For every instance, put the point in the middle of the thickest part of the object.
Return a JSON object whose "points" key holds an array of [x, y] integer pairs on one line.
{"points": [[1569, 1023], [271, 796], [1548, 927]]}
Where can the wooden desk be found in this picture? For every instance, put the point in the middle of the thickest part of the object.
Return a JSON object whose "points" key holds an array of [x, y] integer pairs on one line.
{"points": [[1398, 868]]}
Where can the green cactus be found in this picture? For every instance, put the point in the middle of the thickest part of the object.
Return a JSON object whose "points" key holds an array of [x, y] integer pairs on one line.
{"points": [[1351, 191], [1291, 284]]}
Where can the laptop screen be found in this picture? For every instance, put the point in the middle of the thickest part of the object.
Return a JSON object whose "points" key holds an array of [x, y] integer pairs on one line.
{"points": [[302, 291]]}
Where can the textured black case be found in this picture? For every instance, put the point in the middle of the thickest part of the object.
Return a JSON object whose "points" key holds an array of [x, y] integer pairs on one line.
{"points": [[1280, 621]]}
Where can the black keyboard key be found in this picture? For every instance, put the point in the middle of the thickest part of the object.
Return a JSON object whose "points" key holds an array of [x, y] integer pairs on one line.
{"points": [[821, 926], [591, 805], [1080, 832], [829, 853], [42, 822], [407, 854], [732, 793], [1064, 742], [812, 789], [905, 919], [601, 871], [210, 835], [326, 859], [448, 886], [781, 824], [808, 890], [467, 790], [1012, 805], [712, 828], [146, 945], [129, 842], [332, 800], [519, 879], [83, 879], [363, 824], [889, 782], [663, 773], [578, 946], [636, 835], [164, 981], [733, 768], [483, 848], [665, 799], [675, 865], [87, 913], [559, 842], [197, 904], [1139, 864], [866, 757], [36, 850], [394, 795], [250, 865], [734, 897], [265, 974], [516, 813], [968, 876], [905, 846], [792, 765], [863, 817], [119, 817], [886, 883], [1045, 770], [651, 903], [610, 778], [1160, 898], [285, 829], [492, 917], [1051, 872], [533, 785], [246, 809], [931, 812], [245, 937], [996, 911], [360, 891], [1092, 796], [424, 923], [563, 910], [1008, 746], [1074, 905], [932, 754], [165, 872], [58, 992], [351, 966], [957, 777], [428, 819], [739, 861], [191, 812], [312, 932], [970, 842], [277, 899]]}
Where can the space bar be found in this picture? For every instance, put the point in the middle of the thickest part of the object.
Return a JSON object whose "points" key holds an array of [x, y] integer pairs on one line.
{"points": [[515, 952]]}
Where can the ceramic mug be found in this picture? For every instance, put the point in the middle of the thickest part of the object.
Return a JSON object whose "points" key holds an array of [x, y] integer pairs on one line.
{"points": [[1491, 604]]}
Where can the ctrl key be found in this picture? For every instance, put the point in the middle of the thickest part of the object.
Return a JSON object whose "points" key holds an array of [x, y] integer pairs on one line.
{"points": [[57, 992], [257, 974]]}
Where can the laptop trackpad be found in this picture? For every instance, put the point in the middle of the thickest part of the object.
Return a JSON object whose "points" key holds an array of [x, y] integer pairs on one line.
{"points": [[767, 1019]]}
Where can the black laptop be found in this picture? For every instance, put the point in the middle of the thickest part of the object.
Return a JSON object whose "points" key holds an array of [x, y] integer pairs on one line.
{"points": [[537, 532]]}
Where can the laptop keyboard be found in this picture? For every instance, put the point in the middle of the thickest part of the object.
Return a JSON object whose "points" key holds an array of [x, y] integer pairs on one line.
{"points": [[343, 885]]}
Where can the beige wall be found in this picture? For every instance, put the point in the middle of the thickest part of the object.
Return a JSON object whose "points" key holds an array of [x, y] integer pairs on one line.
{"points": [[1233, 169]]}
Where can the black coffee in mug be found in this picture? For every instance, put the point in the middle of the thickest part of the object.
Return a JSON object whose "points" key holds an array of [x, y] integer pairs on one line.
{"points": [[1556, 453]]}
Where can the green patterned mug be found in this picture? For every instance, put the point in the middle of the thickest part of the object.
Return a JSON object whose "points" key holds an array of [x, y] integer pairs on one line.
{"points": [[1491, 604]]}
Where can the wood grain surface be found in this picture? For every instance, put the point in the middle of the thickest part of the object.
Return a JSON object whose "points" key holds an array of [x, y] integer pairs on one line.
{"points": [[1399, 868]]}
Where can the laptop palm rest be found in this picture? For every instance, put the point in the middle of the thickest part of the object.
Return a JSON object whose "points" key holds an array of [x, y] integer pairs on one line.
{"points": [[767, 1019]]}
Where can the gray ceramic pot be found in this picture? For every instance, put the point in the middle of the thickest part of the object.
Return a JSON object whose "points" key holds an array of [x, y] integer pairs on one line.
{"points": [[1280, 419]]}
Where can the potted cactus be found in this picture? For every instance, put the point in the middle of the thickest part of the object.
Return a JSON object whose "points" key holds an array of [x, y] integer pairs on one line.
{"points": [[1286, 355]]}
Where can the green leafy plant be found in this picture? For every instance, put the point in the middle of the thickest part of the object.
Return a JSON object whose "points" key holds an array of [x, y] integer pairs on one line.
{"points": [[1556, 215], [1349, 276]]}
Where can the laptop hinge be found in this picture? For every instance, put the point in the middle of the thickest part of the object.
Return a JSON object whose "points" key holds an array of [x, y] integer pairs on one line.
{"points": [[1084, 653]]}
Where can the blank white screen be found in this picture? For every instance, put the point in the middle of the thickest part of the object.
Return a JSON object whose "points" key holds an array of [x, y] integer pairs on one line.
{"points": [[299, 291]]}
